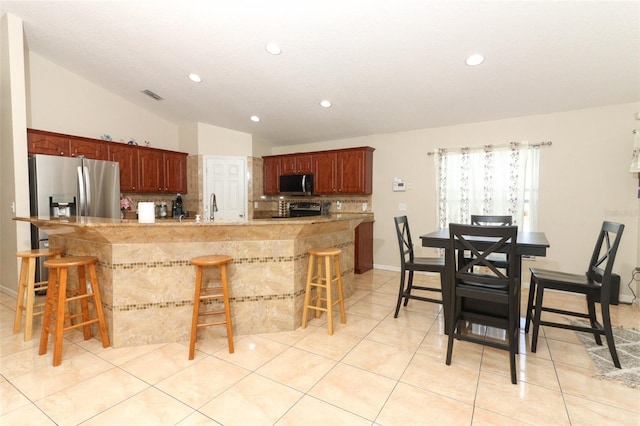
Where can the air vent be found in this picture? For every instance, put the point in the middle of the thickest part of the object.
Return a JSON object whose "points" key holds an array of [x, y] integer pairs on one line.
{"points": [[153, 95]]}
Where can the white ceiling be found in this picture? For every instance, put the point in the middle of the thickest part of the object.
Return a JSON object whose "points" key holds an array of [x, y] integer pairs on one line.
{"points": [[386, 65]]}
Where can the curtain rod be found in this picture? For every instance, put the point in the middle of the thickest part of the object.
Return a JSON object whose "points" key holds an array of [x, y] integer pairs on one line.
{"points": [[533, 145]]}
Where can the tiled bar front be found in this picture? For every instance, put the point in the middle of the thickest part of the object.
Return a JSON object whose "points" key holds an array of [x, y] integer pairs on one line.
{"points": [[147, 280]]}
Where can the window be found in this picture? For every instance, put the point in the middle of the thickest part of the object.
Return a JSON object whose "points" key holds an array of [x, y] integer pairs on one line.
{"points": [[490, 181]]}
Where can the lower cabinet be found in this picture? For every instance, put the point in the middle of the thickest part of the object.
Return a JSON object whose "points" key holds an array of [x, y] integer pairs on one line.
{"points": [[363, 248]]}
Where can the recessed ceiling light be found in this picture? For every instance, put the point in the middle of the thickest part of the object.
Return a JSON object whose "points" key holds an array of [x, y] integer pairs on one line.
{"points": [[195, 78], [474, 60], [255, 118], [325, 103], [273, 48]]}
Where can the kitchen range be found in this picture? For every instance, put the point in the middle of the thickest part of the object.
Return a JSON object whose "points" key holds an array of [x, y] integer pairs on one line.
{"points": [[301, 209]]}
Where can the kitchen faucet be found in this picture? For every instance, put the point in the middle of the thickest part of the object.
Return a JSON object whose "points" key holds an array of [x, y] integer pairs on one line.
{"points": [[213, 206]]}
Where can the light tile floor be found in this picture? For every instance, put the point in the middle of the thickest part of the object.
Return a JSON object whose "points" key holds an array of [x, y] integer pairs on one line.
{"points": [[374, 370]]}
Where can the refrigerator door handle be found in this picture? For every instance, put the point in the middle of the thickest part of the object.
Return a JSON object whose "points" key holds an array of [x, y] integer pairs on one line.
{"points": [[82, 207], [87, 185]]}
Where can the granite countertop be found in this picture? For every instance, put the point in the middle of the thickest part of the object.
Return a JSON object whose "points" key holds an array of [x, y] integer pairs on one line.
{"points": [[78, 221]]}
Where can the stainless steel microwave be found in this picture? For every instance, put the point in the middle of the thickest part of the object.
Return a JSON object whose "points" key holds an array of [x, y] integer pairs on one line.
{"points": [[296, 184]]}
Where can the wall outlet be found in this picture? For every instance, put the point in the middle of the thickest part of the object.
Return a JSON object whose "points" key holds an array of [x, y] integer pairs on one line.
{"points": [[402, 207], [338, 205], [364, 207], [255, 204]]}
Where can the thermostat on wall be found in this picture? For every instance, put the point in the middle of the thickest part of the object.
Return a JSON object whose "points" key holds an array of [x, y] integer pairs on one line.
{"points": [[398, 185]]}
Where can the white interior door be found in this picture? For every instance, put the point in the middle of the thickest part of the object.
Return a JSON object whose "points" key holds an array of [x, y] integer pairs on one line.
{"points": [[226, 177]]}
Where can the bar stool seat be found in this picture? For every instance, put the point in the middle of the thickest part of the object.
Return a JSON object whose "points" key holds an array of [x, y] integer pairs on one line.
{"points": [[321, 277], [27, 287], [204, 294], [59, 294]]}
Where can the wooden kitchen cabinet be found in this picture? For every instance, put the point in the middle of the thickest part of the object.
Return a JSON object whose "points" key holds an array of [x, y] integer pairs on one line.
{"points": [[271, 171], [142, 169], [150, 170], [296, 164], [127, 157], [363, 260], [175, 172], [90, 149], [49, 143], [325, 169], [341, 171], [354, 171]]}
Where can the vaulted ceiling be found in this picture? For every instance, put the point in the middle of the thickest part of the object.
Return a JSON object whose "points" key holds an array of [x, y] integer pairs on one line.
{"points": [[386, 66]]}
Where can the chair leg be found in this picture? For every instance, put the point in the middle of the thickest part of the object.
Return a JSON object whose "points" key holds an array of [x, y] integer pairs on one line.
{"points": [[529, 313], [536, 318], [227, 306], [307, 293], [454, 327], [400, 292], [409, 287], [343, 314], [608, 332], [22, 285], [591, 308], [329, 296], [62, 291], [195, 313]]}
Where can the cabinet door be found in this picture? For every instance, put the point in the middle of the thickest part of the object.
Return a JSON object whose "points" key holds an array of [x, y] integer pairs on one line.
{"points": [[150, 170], [288, 165], [93, 150], [325, 173], [363, 248], [351, 172], [175, 172], [47, 144], [355, 171], [127, 157], [296, 164], [304, 164], [271, 174]]}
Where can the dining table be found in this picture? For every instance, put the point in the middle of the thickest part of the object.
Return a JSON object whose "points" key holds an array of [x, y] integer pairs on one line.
{"points": [[527, 244]]}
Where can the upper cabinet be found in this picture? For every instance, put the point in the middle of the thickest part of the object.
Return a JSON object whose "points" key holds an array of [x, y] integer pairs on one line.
{"points": [[271, 171], [175, 172], [342, 171], [296, 164], [127, 157], [49, 143], [142, 169]]}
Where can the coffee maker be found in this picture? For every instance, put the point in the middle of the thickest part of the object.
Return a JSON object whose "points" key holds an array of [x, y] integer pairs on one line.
{"points": [[176, 207]]}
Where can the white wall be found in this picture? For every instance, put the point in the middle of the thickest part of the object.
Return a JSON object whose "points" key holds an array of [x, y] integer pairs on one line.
{"points": [[584, 179], [61, 101], [13, 150], [214, 140]]}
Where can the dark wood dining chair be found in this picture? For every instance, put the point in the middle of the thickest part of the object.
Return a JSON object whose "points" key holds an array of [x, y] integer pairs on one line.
{"points": [[499, 260], [594, 284], [483, 293], [410, 264], [491, 220]]}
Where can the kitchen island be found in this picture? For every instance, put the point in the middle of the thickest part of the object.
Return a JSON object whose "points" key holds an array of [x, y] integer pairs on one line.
{"points": [[147, 281]]}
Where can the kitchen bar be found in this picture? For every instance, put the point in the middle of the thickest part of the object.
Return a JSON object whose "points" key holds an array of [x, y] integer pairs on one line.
{"points": [[147, 280]]}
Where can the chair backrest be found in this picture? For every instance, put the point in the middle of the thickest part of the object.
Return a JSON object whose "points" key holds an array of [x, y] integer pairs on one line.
{"points": [[491, 220], [604, 254], [482, 241], [404, 239]]}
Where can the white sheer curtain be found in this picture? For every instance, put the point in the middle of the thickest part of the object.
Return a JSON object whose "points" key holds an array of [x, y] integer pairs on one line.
{"points": [[489, 180]]}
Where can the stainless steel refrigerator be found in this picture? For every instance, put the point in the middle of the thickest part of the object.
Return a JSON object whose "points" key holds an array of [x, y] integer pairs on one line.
{"points": [[67, 186]]}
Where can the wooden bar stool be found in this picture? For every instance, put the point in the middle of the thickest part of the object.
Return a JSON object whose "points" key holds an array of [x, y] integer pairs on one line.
{"points": [[27, 288], [59, 294], [322, 278], [202, 294]]}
